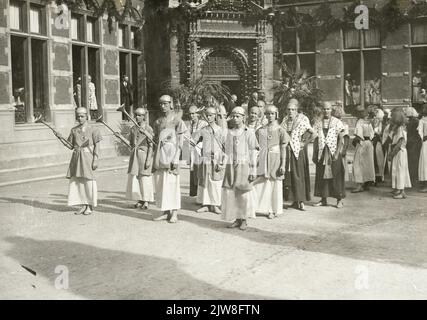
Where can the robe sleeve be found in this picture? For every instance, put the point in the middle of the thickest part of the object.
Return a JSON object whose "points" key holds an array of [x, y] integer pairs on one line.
{"points": [[132, 138], [252, 146], [284, 138], [96, 136], [420, 129], [315, 150], [181, 129], [358, 131], [340, 126], [371, 131], [151, 133], [70, 138]]}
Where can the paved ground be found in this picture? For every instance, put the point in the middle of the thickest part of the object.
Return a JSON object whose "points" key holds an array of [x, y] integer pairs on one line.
{"points": [[373, 248]]}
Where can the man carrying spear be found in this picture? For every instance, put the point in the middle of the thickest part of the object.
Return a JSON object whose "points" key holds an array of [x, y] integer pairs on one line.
{"points": [[84, 141], [140, 179], [169, 134], [212, 164]]}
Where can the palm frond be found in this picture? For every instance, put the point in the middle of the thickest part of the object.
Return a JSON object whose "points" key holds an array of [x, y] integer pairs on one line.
{"points": [[200, 92], [296, 84]]}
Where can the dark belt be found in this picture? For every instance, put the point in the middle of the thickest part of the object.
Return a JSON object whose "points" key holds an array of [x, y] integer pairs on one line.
{"points": [[367, 138]]}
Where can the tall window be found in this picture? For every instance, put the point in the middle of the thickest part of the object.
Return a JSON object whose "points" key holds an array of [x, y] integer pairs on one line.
{"points": [[29, 65], [86, 64], [298, 49], [419, 62], [129, 44], [362, 67]]}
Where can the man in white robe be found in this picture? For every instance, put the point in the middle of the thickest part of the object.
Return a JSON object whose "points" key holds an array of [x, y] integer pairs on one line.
{"points": [[238, 203], [169, 132], [211, 168]]}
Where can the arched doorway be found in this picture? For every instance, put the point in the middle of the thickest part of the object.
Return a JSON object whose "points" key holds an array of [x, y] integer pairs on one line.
{"points": [[224, 66]]}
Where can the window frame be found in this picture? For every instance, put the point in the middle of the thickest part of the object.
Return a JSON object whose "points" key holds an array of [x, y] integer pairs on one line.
{"points": [[28, 36], [412, 46], [361, 49], [297, 53], [83, 17], [130, 52]]}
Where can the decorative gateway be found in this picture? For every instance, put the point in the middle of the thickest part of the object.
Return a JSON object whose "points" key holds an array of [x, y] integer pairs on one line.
{"points": [[225, 42]]}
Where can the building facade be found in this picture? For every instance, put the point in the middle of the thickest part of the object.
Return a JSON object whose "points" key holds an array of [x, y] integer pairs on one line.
{"points": [[373, 66], [54, 59]]}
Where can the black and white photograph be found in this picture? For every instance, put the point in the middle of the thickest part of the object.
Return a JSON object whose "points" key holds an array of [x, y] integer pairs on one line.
{"points": [[232, 151]]}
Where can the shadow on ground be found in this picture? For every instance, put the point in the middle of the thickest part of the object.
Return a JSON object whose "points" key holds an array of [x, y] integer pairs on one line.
{"points": [[98, 273], [352, 241]]}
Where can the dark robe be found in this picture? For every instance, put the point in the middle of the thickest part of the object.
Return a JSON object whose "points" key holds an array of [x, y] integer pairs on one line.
{"points": [[331, 187], [413, 146]]}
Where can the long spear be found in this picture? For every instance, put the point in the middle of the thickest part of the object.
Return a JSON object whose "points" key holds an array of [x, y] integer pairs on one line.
{"points": [[64, 141], [116, 134], [122, 109]]}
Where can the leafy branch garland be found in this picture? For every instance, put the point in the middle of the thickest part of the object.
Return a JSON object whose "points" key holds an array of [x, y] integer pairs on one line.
{"points": [[107, 6]]}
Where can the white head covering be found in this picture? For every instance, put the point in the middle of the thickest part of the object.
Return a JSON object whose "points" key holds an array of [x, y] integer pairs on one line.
{"points": [[411, 112], [238, 110], [81, 110], [379, 114]]}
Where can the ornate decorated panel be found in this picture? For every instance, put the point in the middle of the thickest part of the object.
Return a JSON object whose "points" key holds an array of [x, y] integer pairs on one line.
{"points": [[212, 25], [220, 64]]}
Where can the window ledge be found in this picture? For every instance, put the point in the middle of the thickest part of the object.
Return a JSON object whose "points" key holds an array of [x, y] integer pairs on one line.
{"points": [[30, 126]]}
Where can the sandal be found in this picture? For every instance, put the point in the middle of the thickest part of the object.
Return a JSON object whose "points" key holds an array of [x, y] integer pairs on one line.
{"points": [[81, 210]]}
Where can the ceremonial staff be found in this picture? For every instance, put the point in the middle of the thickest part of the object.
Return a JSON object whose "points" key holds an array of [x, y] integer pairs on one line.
{"points": [[116, 134], [64, 141], [222, 146], [122, 109]]}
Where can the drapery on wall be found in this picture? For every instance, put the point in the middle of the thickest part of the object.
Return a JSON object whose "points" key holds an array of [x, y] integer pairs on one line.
{"points": [[35, 20], [419, 33], [15, 17], [372, 38], [351, 39]]}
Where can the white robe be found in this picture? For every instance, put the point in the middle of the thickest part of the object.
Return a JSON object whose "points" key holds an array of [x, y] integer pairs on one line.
{"points": [[210, 195], [237, 204], [168, 191], [363, 163], [270, 195], [400, 178], [422, 166], [82, 192], [140, 189]]}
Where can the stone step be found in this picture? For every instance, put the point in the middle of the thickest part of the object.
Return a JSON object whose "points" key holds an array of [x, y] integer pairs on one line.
{"points": [[10, 177]]}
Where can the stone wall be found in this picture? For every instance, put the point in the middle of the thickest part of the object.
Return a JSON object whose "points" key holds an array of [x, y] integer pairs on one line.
{"points": [[33, 145]]}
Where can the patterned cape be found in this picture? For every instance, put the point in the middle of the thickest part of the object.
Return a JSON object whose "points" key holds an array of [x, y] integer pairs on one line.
{"points": [[331, 140], [299, 126]]}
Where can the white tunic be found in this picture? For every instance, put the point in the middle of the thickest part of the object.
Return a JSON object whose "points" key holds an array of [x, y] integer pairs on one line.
{"points": [[400, 178], [422, 167]]}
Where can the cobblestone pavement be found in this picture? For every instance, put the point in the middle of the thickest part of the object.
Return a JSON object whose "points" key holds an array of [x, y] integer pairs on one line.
{"points": [[372, 248]]}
